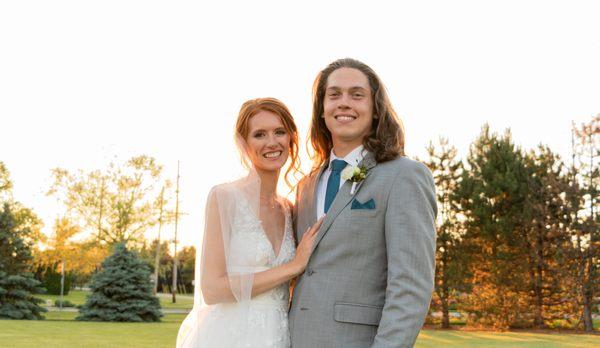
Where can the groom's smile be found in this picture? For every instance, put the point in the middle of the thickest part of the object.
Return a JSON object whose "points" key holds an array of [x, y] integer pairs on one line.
{"points": [[345, 118]]}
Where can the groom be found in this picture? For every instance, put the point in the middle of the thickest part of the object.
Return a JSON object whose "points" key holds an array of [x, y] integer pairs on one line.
{"points": [[370, 277]]}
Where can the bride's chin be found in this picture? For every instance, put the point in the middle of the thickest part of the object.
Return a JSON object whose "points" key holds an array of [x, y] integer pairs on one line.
{"points": [[271, 167]]}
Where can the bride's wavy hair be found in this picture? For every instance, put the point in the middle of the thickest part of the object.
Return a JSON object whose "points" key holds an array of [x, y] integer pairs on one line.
{"points": [[254, 106], [386, 139]]}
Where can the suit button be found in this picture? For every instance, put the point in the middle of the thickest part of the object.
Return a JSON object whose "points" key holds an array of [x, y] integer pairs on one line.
{"points": [[310, 272], [303, 308]]}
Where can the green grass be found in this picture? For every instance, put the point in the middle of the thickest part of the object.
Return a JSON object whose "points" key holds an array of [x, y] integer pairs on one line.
{"points": [[78, 297], [183, 301], [439, 338], [60, 330]]}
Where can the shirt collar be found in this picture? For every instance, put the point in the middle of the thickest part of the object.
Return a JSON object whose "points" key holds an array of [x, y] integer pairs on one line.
{"points": [[353, 158]]}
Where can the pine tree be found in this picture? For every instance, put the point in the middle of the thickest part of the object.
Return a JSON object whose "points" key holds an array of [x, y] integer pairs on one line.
{"points": [[548, 240], [585, 204], [493, 195], [447, 170], [122, 291], [17, 285]]}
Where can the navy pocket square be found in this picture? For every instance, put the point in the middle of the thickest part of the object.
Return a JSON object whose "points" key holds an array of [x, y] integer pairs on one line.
{"points": [[370, 204]]}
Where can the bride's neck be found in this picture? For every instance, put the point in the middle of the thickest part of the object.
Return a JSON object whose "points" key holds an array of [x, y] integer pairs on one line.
{"points": [[268, 183]]}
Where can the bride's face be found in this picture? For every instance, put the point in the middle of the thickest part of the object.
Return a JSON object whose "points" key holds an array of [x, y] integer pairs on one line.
{"points": [[268, 141]]}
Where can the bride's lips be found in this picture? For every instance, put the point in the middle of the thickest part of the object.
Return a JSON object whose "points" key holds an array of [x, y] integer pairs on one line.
{"points": [[272, 155]]}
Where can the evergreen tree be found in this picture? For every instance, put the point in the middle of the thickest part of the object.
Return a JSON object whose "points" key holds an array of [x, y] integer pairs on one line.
{"points": [[584, 204], [493, 195], [548, 239], [122, 291], [17, 285], [446, 169]]}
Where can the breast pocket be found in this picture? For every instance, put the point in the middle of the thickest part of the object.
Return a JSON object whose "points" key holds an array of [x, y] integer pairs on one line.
{"points": [[365, 207], [363, 213]]}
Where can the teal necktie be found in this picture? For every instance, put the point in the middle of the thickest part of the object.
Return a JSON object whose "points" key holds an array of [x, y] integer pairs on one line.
{"points": [[333, 183]]}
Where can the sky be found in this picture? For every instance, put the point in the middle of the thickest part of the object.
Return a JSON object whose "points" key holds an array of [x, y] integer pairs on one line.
{"points": [[83, 83]]}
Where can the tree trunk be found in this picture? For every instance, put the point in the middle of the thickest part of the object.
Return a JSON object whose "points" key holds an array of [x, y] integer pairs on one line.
{"points": [[539, 296], [445, 312]]}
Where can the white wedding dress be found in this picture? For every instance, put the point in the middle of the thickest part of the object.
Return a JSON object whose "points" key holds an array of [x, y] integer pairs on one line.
{"points": [[263, 320]]}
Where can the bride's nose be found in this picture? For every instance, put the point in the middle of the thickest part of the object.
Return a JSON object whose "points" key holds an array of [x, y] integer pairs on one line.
{"points": [[272, 141]]}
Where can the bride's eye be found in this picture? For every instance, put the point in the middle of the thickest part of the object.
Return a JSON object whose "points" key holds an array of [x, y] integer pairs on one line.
{"points": [[259, 134], [280, 132]]}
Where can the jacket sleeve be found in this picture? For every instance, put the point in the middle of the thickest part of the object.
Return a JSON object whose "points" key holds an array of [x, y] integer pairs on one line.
{"points": [[410, 244]]}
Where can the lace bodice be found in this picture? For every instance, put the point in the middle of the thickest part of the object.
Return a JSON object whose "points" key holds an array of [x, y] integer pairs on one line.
{"points": [[261, 322], [251, 248]]}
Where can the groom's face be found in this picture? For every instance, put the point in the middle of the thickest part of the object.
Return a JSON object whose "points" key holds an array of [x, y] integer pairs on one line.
{"points": [[348, 107]]}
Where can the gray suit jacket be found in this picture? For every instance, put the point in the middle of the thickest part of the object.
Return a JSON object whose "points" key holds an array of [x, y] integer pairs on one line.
{"points": [[370, 277]]}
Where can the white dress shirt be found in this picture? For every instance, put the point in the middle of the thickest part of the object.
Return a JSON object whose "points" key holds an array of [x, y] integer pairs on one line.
{"points": [[353, 158]]}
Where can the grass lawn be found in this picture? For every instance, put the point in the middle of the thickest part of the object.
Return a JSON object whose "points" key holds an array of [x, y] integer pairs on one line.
{"points": [[78, 297], [60, 330]]}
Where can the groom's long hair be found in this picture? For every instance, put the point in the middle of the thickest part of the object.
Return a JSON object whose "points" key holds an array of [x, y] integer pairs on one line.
{"points": [[386, 139]]}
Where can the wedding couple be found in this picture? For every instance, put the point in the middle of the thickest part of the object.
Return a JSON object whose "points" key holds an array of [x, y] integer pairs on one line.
{"points": [[359, 242]]}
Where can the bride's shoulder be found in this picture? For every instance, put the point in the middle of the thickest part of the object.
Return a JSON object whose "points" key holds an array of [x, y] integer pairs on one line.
{"points": [[223, 190]]}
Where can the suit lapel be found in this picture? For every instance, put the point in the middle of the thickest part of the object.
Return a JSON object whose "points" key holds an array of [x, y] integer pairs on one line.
{"points": [[309, 200], [343, 198]]}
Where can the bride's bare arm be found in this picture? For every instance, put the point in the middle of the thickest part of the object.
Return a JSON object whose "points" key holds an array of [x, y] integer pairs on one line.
{"points": [[214, 280]]}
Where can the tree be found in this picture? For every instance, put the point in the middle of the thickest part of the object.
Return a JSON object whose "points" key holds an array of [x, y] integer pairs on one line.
{"points": [[147, 252], [584, 218], [548, 240], [121, 291], [447, 171], [493, 193], [187, 264], [119, 204], [81, 258], [27, 221], [5, 183], [17, 285], [187, 259]]}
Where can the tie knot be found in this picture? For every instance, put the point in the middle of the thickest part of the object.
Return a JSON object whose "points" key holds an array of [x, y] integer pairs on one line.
{"points": [[338, 165]]}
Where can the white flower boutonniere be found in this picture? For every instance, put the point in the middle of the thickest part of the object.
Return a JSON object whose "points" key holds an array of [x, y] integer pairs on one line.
{"points": [[355, 174]]}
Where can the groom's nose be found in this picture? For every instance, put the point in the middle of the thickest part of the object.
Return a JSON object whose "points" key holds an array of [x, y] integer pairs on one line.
{"points": [[344, 101]]}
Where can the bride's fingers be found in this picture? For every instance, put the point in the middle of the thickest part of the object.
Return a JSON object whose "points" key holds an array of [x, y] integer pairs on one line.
{"points": [[317, 225]]}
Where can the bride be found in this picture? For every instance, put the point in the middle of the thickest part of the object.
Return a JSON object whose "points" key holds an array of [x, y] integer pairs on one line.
{"points": [[248, 251]]}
